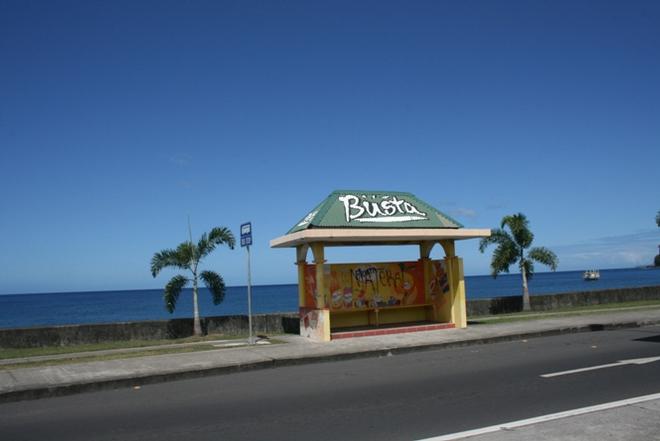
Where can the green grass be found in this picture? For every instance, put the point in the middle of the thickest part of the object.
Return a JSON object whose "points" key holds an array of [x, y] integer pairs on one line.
{"points": [[7, 353], [90, 353], [115, 356], [563, 312]]}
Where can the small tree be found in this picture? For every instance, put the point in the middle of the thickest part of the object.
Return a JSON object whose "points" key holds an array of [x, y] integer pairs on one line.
{"points": [[188, 256], [511, 246]]}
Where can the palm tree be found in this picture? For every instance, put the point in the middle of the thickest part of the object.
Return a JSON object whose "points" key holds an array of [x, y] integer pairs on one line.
{"points": [[187, 256], [511, 246]]}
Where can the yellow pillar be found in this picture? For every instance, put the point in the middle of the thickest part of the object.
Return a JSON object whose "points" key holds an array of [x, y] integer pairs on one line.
{"points": [[454, 311], [449, 247], [301, 262], [443, 312], [458, 312], [301, 284], [425, 249], [322, 312], [425, 259], [426, 266], [319, 263]]}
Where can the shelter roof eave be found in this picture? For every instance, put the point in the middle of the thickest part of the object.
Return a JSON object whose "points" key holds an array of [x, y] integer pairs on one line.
{"points": [[354, 236]]}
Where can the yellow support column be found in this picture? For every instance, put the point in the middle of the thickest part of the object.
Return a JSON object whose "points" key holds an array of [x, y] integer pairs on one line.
{"points": [[458, 313], [431, 314], [319, 263], [443, 312], [301, 262], [424, 258], [455, 311], [426, 265], [301, 284], [449, 247], [323, 323]]}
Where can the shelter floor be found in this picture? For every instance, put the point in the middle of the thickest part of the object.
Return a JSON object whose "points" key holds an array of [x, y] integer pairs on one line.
{"points": [[387, 329]]}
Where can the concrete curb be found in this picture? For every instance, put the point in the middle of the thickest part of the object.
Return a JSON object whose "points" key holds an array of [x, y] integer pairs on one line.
{"points": [[139, 380], [386, 352]]}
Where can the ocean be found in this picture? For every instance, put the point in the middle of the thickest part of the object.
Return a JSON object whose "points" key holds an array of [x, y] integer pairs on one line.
{"points": [[45, 309]]}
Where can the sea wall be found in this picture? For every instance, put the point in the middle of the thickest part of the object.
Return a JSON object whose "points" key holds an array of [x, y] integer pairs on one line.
{"points": [[279, 323], [548, 302], [229, 325]]}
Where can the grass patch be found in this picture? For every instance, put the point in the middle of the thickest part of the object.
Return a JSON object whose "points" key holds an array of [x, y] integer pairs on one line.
{"points": [[605, 306], [8, 353], [115, 356], [564, 312]]}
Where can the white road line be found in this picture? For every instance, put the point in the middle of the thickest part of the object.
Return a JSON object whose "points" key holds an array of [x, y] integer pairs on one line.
{"points": [[544, 418], [636, 361]]}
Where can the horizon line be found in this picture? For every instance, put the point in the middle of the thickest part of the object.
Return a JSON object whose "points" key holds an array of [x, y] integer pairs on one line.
{"points": [[292, 283]]}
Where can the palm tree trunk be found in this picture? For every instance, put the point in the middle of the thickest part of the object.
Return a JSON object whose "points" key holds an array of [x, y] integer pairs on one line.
{"points": [[197, 325], [526, 304]]}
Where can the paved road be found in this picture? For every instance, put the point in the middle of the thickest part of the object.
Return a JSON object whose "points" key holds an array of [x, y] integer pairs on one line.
{"points": [[408, 396]]}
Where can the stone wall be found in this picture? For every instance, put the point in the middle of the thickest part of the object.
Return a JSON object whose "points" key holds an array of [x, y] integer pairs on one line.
{"points": [[232, 325], [547, 302]]}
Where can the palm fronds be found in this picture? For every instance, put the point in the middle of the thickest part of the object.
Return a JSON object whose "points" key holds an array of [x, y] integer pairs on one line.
{"points": [[506, 253], [497, 236], [168, 258], [186, 254], [215, 284], [544, 256], [519, 226], [172, 291], [217, 236]]}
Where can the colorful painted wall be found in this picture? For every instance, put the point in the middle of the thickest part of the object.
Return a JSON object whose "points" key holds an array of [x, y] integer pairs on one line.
{"points": [[363, 286]]}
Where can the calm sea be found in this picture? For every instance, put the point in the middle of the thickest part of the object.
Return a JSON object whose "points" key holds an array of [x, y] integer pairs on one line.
{"points": [[24, 310]]}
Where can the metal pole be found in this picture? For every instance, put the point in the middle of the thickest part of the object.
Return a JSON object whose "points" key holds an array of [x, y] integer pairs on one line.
{"points": [[249, 290]]}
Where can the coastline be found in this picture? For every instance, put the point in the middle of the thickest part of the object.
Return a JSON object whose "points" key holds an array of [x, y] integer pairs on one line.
{"points": [[468, 277], [288, 322], [84, 307]]}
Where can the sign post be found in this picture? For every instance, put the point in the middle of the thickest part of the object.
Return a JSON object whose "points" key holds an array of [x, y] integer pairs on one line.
{"points": [[246, 241]]}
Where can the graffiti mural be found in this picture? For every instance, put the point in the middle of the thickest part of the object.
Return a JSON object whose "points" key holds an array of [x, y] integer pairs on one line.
{"points": [[371, 285], [312, 294], [438, 283]]}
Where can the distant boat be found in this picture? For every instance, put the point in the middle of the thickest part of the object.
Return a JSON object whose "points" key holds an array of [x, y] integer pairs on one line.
{"points": [[590, 275]]}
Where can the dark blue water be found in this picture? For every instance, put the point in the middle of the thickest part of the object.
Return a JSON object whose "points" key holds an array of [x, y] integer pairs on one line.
{"points": [[24, 310]]}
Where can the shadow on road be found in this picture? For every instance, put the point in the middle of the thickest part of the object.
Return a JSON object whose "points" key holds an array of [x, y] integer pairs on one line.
{"points": [[651, 339]]}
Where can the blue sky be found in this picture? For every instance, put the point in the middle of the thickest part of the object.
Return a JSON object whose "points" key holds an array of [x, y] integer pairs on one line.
{"points": [[118, 120]]}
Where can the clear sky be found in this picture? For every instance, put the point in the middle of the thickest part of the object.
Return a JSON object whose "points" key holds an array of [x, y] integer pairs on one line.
{"points": [[119, 119]]}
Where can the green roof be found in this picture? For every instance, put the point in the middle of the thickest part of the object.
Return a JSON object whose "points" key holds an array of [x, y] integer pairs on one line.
{"points": [[374, 209]]}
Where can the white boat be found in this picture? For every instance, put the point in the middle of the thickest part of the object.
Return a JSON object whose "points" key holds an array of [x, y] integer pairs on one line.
{"points": [[590, 275]]}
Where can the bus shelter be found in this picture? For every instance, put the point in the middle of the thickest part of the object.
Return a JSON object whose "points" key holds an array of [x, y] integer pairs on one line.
{"points": [[339, 296]]}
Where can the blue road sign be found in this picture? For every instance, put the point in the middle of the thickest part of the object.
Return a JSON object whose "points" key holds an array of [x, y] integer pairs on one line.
{"points": [[246, 234]]}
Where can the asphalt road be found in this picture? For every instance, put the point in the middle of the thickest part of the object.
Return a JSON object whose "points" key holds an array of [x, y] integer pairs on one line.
{"points": [[400, 397]]}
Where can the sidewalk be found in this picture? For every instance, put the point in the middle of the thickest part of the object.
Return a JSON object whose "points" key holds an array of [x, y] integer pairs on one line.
{"points": [[37, 382]]}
